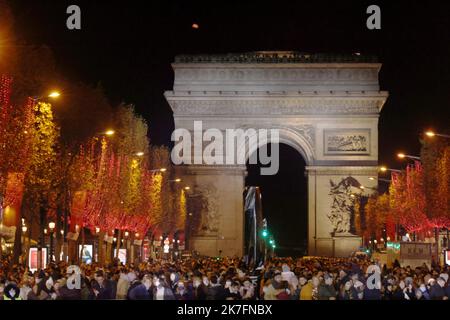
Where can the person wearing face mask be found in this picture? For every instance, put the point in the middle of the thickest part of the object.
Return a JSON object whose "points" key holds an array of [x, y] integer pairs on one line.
{"points": [[437, 291], [326, 289], [142, 291], [358, 288], [424, 291], [161, 291], [182, 292], [216, 290], [199, 289], [419, 295], [232, 292]]}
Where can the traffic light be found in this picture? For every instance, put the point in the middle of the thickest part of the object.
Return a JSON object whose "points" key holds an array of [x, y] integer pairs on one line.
{"points": [[265, 233]]}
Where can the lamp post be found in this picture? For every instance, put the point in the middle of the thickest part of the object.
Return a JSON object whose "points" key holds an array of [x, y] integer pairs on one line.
{"points": [[24, 230], [51, 226]]}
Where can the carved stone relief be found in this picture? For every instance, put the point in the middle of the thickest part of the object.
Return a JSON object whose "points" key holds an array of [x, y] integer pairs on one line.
{"points": [[342, 205]]}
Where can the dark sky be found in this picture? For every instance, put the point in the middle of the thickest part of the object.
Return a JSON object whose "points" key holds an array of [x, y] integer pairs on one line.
{"points": [[128, 46]]}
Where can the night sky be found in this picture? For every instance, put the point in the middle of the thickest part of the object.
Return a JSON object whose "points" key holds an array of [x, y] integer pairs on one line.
{"points": [[128, 47]]}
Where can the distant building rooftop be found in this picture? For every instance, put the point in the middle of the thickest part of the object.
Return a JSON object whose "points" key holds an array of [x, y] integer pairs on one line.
{"points": [[276, 57]]}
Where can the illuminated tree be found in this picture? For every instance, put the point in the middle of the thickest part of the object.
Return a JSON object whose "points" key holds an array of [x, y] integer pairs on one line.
{"points": [[408, 199], [41, 175], [435, 156]]}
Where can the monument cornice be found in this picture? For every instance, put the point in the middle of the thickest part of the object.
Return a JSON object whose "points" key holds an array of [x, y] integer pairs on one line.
{"points": [[217, 106], [275, 57], [339, 170]]}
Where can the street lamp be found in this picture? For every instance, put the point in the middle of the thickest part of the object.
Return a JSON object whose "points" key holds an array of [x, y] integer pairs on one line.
{"points": [[54, 94], [432, 134], [187, 188], [175, 180], [407, 156], [158, 170], [109, 132], [51, 226], [140, 154], [385, 169]]}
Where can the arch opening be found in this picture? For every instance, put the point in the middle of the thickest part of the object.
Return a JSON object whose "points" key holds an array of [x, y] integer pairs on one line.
{"points": [[284, 200]]}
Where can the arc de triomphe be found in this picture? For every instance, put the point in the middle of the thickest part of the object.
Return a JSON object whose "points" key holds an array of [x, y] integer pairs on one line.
{"points": [[326, 107]]}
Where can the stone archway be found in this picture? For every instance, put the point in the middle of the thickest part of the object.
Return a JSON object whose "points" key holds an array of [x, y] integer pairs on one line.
{"points": [[325, 107]]}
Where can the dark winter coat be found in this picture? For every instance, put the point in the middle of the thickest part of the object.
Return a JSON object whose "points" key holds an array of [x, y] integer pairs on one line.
{"points": [[437, 292], [326, 292], [139, 292], [216, 292]]}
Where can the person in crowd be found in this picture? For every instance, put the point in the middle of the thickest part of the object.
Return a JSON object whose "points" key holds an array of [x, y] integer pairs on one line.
{"points": [[227, 278], [162, 290], [25, 289], [247, 291], [326, 289], [274, 287], [437, 290], [101, 287], [347, 292], [216, 290], [183, 291], [123, 284], [11, 292], [232, 293], [142, 291], [306, 292]]}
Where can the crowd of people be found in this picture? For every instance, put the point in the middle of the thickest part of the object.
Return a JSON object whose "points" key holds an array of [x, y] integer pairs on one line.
{"points": [[307, 278]]}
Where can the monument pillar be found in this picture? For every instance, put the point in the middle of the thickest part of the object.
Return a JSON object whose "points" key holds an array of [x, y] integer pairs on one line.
{"points": [[215, 204], [332, 194]]}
